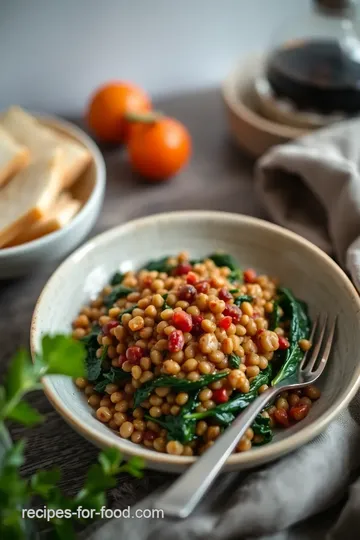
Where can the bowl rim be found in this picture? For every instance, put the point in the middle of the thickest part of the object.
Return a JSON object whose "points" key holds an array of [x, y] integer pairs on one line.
{"points": [[240, 460], [230, 93], [96, 193]]}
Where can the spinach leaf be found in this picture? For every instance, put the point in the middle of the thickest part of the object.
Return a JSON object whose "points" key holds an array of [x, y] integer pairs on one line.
{"points": [[104, 354], [128, 310], [261, 426], [235, 276], [238, 401], [119, 291], [117, 278], [296, 312], [185, 385], [224, 259], [223, 418], [159, 265], [274, 319], [234, 360], [165, 306], [244, 298], [180, 428], [111, 376], [92, 362], [196, 261]]}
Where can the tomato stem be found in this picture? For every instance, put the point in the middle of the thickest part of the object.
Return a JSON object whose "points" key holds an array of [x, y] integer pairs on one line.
{"points": [[143, 118]]}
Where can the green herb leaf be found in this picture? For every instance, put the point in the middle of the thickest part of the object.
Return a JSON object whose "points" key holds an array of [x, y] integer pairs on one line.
{"points": [[2, 396], [182, 427], [159, 265], [64, 529], [296, 312], [236, 276], [63, 356], [117, 278], [14, 456], [165, 306], [145, 390], [13, 494], [20, 377], [25, 414], [97, 480], [244, 298], [274, 319], [111, 376], [137, 462], [128, 310], [110, 460], [223, 418], [238, 400], [193, 262], [134, 466], [43, 483], [92, 362], [96, 500], [119, 291], [224, 259], [234, 361], [261, 426]]}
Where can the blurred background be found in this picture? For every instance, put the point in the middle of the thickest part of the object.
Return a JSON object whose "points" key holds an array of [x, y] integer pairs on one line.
{"points": [[194, 61], [53, 53]]}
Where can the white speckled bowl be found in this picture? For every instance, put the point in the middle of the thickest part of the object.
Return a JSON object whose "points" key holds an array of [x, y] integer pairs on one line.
{"points": [[300, 265], [89, 189]]}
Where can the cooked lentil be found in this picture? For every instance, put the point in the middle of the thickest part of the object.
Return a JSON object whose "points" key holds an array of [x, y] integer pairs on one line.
{"points": [[187, 322]]}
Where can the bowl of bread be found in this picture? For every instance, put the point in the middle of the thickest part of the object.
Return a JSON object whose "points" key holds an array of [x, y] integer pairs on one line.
{"points": [[52, 184]]}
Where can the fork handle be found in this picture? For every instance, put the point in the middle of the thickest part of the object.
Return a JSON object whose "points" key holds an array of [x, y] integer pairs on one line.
{"points": [[187, 491]]}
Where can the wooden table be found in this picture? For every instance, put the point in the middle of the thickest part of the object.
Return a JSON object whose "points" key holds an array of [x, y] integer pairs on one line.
{"points": [[215, 163]]}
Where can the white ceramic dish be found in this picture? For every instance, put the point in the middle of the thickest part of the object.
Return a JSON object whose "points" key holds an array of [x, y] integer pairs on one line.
{"points": [[251, 129], [300, 265], [89, 189]]}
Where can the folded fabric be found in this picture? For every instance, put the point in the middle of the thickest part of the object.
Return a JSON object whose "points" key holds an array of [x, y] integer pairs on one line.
{"points": [[312, 186]]}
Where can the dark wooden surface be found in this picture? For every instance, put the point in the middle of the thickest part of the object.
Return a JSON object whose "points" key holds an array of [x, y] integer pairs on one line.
{"points": [[218, 177]]}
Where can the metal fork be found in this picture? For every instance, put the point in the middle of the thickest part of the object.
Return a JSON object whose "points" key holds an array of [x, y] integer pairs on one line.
{"points": [[187, 491]]}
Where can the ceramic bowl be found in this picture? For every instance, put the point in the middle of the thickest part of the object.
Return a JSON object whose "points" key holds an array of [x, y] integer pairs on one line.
{"points": [[253, 132], [311, 274], [89, 189]]}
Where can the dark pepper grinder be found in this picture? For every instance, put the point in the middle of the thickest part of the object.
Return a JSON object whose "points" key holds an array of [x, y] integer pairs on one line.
{"points": [[315, 62]]}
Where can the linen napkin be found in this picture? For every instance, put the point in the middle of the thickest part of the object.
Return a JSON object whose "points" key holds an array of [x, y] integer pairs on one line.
{"points": [[313, 178], [298, 184]]}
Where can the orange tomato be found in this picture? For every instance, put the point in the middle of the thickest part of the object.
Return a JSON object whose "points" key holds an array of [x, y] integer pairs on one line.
{"points": [[159, 149], [108, 107]]}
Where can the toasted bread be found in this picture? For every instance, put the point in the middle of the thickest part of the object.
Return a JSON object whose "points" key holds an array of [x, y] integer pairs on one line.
{"points": [[58, 215], [27, 130], [29, 195], [13, 156]]}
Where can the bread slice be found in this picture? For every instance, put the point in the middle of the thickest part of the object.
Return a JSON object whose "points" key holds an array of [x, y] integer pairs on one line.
{"points": [[29, 195], [58, 215], [27, 130], [13, 156]]}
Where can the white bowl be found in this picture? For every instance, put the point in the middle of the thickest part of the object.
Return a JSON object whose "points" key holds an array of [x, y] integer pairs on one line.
{"points": [[311, 274], [250, 128], [89, 189]]}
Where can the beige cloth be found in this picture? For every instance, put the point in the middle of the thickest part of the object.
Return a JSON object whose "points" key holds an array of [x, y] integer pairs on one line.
{"points": [[322, 168]]}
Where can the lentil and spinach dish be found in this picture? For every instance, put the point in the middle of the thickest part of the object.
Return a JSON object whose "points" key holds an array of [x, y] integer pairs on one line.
{"points": [[179, 348]]}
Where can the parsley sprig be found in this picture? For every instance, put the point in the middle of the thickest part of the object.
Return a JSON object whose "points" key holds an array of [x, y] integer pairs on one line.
{"points": [[59, 355]]}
